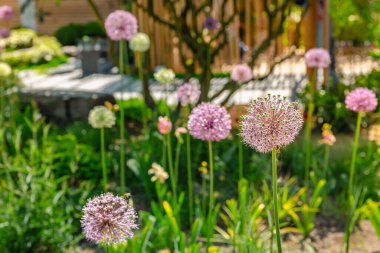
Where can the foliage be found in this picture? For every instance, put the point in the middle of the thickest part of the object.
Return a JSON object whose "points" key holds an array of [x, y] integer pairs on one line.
{"points": [[70, 34]]}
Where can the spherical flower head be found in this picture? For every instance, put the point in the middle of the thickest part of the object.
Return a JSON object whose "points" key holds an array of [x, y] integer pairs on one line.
{"points": [[361, 100], [108, 219], [101, 117], [4, 33], [5, 70], [211, 24], [158, 173], [188, 94], [164, 125], [271, 122], [241, 73], [317, 58], [140, 42], [121, 25], [164, 76], [209, 122], [6, 13]]}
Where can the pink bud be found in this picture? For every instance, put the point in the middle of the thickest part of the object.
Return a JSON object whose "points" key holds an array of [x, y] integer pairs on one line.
{"points": [[164, 125]]}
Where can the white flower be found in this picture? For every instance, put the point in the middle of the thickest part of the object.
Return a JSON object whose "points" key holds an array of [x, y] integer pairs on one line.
{"points": [[164, 76], [158, 173], [140, 42], [101, 117]]}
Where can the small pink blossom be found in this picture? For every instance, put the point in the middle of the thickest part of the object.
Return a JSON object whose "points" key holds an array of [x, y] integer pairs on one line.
{"points": [[361, 100], [188, 94], [179, 131], [317, 58], [4, 33], [121, 25], [164, 125], [6, 13], [241, 73]]}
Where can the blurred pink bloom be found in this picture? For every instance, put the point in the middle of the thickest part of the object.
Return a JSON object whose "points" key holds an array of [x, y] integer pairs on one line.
{"points": [[361, 100], [241, 73], [209, 122], [317, 58], [271, 122], [164, 125], [121, 25], [6, 13], [179, 131], [188, 94], [4, 33]]}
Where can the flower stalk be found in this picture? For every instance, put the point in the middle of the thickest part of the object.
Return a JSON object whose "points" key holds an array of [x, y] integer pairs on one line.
{"points": [[122, 127], [275, 200]]}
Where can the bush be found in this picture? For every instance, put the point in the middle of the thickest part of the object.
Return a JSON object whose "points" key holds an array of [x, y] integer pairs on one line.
{"points": [[70, 34]]}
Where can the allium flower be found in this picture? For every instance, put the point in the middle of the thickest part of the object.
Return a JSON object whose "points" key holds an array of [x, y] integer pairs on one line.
{"points": [[361, 100], [101, 117], [241, 73], [5, 70], [317, 58], [271, 122], [4, 33], [158, 173], [211, 24], [188, 94], [209, 122], [328, 138], [374, 133], [6, 13], [164, 125], [164, 76], [108, 219], [139, 43], [121, 25]]}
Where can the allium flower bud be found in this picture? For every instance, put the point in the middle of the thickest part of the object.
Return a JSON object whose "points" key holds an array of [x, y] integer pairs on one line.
{"points": [[6, 13], [211, 24], [271, 122], [121, 25], [158, 173], [328, 138], [139, 43], [164, 76], [188, 94], [241, 73], [317, 58], [164, 125], [4, 33], [5, 70], [101, 117], [108, 219], [361, 100], [209, 122]]}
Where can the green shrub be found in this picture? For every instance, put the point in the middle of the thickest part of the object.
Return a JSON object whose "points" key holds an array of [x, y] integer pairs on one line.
{"points": [[70, 34]]}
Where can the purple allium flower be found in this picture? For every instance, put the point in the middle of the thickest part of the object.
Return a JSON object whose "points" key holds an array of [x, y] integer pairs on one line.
{"points": [[361, 100], [121, 25], [4, 33], [188, 94], [209, 122], [6, 13], [241, 73], [108, 219], [317, 58], [211, 23], [271, 122]]}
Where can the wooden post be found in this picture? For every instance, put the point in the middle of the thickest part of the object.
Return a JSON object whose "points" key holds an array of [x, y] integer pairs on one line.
{"points": [[311, 29]]}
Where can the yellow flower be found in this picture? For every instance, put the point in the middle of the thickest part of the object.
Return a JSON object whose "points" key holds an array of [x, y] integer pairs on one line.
{"points": [[164, 251], [213, 249], [204, 164]]}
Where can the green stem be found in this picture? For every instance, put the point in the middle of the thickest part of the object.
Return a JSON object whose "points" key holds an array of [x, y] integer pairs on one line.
{"points": [[351, 181], [326, 160], [176, 160], [240, 153], [189, 178], [122, 128], [127, 68], [211, 202], [141, 76], [274, 183], [171, 170], [102, 146]]}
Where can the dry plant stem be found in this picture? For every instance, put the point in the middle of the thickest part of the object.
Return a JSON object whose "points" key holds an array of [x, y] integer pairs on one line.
{"points": [[275, 200], [211, 202], [122, 127], [351, 182], [103, 153]]}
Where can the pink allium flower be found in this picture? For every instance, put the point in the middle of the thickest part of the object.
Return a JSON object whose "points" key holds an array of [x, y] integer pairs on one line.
{"points": [[108, 219], [4, 33], [271, 122], [164, 125], [361, 100], [121, 25], [241, 73], [209, 122], [6, 13], [188, 94], [317, 58]]}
